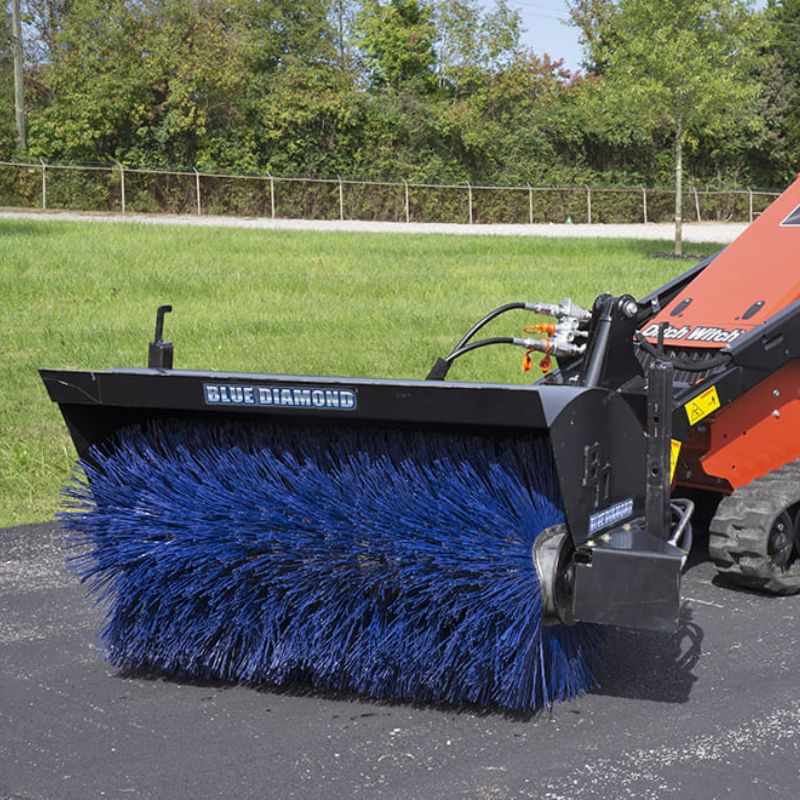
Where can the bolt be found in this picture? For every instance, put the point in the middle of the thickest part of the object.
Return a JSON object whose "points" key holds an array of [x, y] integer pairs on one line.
{"points": [[630, 309], [776, 414], [776, 393]]}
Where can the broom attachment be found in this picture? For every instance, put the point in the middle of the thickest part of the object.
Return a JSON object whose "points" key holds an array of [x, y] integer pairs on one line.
{"points": [[410, 540], [390, 563]]}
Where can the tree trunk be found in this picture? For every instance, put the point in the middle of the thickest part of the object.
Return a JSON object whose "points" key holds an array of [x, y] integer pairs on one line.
{"points": [[19, 97], [343, 22], [679, 189]]}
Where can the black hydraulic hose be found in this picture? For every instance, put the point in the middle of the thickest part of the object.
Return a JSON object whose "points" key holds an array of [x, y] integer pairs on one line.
{"points": [[442, 366], [687, 365], [468, 348], [485, 321]]}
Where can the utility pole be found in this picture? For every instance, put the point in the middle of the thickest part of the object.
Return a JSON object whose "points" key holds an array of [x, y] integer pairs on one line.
{"points": [[19, 95]]}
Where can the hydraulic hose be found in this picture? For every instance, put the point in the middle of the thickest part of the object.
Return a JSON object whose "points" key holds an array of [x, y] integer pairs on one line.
{"points": [[442, 366], [486, 320], [566, 310], [468, 348]]}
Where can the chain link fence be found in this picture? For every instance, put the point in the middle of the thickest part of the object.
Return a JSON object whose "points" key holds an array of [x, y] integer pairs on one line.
{"points": [[115, 188]]}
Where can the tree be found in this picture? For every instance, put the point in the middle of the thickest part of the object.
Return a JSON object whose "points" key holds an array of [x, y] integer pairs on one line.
{"points": [[474, 44], [683, 66], [343, 15], [784, 41], [44, 21], [7, 136], [458, 25], [170, 82], [509, 128], [397, 40], [501, 29], [595, 21]]}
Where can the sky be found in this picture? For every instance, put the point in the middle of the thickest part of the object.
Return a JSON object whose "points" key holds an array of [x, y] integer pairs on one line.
{"points": [[546, 30]]}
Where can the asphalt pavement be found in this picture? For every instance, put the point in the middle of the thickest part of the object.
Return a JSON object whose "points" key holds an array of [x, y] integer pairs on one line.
{"points": [[712, 712]]}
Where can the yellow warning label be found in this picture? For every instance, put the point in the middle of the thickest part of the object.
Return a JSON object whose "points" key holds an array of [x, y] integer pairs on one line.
{"points": [[673, 458], [702, 405]]}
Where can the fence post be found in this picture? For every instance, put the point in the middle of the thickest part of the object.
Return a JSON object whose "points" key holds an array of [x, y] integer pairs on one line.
{"points": [[693, 190], [197, 190], [121, 184], [44, 183], [271, 196], [530, 204]]}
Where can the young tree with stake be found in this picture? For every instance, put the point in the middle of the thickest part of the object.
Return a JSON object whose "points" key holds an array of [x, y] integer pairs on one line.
{"points": [[685, 66]]}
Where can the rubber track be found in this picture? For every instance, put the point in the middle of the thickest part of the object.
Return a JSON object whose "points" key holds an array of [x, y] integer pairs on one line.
{"points": [[740, 530]]}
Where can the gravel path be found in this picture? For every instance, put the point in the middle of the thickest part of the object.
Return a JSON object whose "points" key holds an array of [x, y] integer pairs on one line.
{"points": [[693, 232]]}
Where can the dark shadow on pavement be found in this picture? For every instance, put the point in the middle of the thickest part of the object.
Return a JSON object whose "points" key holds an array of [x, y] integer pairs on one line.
{"points": [[645, 665]]}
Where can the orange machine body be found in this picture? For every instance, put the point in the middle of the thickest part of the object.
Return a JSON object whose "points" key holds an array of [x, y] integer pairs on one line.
{"points": [[751, 280], [754, 278], [758, 432]]}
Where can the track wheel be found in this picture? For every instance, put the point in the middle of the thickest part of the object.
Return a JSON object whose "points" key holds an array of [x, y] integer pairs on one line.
{"points": [[755, 534]]}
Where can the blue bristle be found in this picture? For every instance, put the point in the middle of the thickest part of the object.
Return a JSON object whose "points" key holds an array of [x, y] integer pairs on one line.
{"points": [[388, 563]]}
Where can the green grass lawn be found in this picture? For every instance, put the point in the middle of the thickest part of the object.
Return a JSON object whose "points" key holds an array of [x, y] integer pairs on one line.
{"points": [[83, 295]]}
